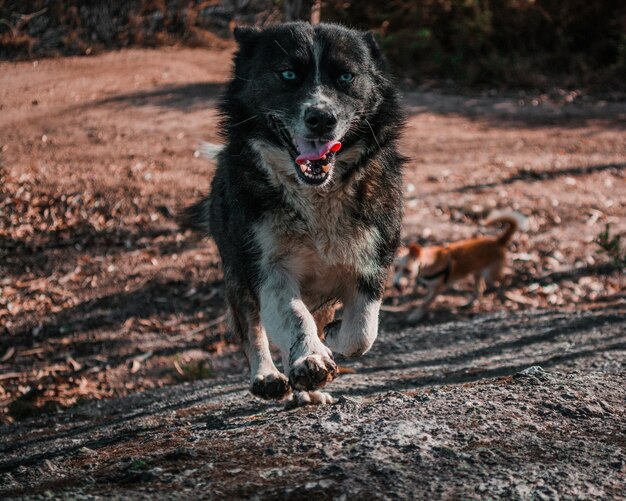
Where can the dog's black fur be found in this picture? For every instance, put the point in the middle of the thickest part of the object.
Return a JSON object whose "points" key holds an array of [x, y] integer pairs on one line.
{"points": [[243, 193]]}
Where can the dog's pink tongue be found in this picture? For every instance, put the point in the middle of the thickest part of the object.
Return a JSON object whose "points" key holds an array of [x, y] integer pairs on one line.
{"points": [[314, 150]]}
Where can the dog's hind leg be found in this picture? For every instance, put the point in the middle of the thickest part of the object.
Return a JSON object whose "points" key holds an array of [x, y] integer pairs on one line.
{"points": [[293, 329], [265, 379], [495, 274], [479, 288]]}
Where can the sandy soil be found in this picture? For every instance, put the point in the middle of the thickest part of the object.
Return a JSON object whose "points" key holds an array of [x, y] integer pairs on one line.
{"points": [[102, 296]]}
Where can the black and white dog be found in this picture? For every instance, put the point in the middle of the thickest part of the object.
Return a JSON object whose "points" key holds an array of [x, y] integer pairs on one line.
{"points": [[306, 203]]}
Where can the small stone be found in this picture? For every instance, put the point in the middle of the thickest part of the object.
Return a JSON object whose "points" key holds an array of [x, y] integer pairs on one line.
{"points": [[535, 372]]}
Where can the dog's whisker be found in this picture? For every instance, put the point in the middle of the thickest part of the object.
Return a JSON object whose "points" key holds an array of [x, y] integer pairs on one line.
{"points": [[281, 47], [274, 109], [373, 134], [244, 121], [273, 114]]}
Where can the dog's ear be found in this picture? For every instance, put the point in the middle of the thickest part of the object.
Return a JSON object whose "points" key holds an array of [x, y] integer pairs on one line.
{"points": [[414, 250], [374, 48], [245, 35]]}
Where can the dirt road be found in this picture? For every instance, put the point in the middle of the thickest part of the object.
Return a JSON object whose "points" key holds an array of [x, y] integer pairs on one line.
{"points": [[450, 411], [102, 296]]}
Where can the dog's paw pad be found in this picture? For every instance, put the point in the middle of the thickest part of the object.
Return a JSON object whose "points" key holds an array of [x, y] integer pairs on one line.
{"points": [[312, 372], [302, 398], [271, 386]]}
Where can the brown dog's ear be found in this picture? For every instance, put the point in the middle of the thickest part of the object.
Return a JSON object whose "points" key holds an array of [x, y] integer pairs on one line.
{"points": [[414, 250]]}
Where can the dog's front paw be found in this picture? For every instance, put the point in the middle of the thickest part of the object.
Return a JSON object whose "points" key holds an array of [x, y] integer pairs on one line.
{"points": [[312, 372], [302, 398], [272, 386]]}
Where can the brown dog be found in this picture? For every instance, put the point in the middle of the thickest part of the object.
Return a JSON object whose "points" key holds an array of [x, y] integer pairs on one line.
{"points": [[439, 266]]}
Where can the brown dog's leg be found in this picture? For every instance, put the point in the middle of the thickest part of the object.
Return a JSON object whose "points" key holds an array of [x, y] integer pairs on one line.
{"points": [[479, 288], [433, 291], [495, 274]]}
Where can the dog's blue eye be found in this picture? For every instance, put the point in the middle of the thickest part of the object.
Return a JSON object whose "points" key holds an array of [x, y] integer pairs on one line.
{"points": [[288, 75], [346, 77]]}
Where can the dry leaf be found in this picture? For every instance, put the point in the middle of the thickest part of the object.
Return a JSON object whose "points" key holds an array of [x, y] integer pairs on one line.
{"points": [[8, 355], [143, 357], [518, 298], [217, 346], [74, 364], [32, 351], [216, 321], [10, 375], [178, 368]]}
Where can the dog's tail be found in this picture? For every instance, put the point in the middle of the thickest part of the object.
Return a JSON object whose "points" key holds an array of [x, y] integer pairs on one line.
{"points": [[513, 220], [196, 217], [210, 151]]}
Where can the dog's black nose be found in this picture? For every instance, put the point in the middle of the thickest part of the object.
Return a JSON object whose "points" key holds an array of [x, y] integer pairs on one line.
{"points": [[319, 121]]}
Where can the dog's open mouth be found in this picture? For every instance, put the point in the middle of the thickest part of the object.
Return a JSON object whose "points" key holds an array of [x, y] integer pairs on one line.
{"points": [[315, 159]]}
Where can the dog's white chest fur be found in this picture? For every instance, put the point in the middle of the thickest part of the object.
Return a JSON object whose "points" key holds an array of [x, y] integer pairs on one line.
{"points": [[323, 253]]}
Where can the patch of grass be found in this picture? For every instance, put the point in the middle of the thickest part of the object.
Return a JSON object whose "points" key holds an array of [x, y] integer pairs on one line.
{"points": [[610, 245], [138, 465], [193, 371]]}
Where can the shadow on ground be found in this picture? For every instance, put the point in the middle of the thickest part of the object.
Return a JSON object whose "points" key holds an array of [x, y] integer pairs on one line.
{"points": [[154, 298], [185, 97], [534, 176], [514, 112]]}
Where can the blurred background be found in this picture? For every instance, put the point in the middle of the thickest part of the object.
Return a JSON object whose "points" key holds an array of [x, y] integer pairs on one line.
{"points": [[520, 43]]}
